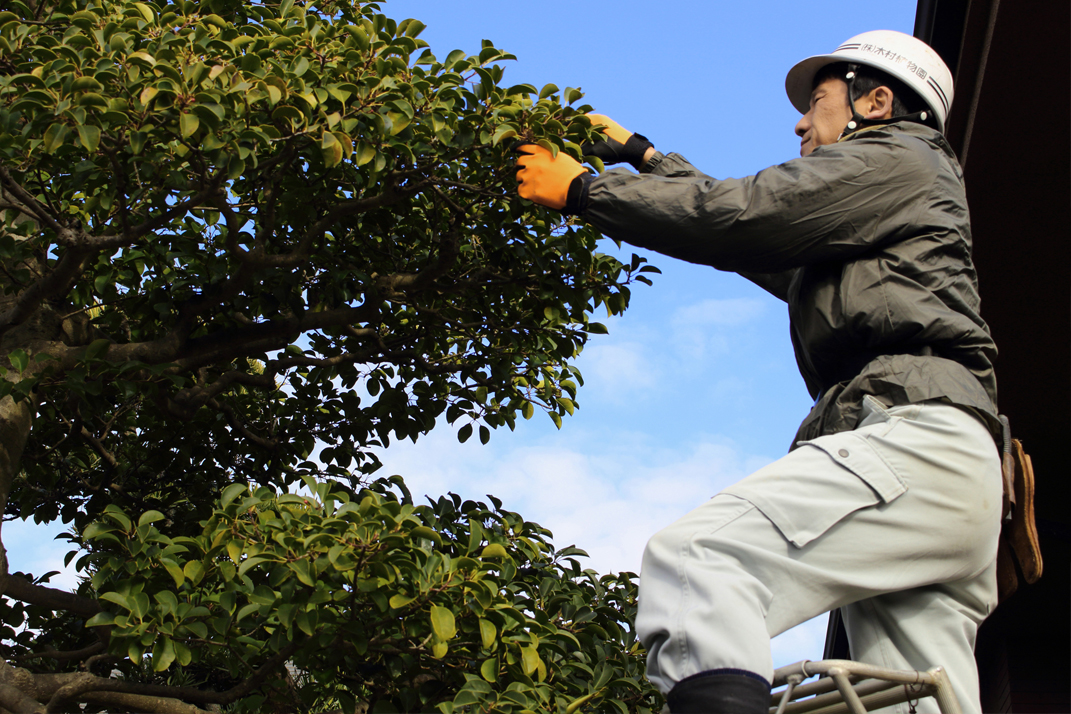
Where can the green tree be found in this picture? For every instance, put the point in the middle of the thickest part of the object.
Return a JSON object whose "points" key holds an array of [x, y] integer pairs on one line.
{"points": [[236, 233]]}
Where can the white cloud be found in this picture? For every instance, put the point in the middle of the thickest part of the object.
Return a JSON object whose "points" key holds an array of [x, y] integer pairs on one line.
{"points": [[617, 371], [712, 327], [729, 312], [607, 496]]}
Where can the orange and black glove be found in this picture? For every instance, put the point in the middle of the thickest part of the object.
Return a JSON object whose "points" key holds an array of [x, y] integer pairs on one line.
{"points": [[558, 182], [620, 146]]}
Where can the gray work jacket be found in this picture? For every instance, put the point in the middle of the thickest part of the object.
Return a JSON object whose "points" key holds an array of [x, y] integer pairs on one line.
{"points": [[868, 241]]}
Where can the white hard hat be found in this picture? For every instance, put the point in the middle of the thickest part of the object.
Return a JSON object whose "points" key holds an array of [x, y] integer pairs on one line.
{"points": [[907, 58]]}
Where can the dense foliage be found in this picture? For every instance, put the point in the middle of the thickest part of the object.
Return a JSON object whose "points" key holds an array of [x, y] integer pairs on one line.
{"points": [[243, 245]]}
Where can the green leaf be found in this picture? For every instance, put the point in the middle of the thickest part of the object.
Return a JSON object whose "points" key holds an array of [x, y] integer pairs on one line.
{"points": [[489, 669], [163, 654], [442, 623], [89, 136], [358, 35], [505, 131], [494, 550], [547, 90], [453, 58], [182, 653], [303, 622], [101, 618], [146, 12], [174, 571], [549, 146], [121, 600], [86, 84], [331, 149], [485, 434], [529, 660], [54, 136], [150, 517], [577, 703], [234, 551], [194, 571], [167, 600], [19, 359], [188, 124], [364, 153], [400, 600], [488, 633], [143, 59], [137, 141], [232, 492], [464, 433], [115, 513], [303, 572], [235, 167], [414, 28], [92, 99], [425, 532]]}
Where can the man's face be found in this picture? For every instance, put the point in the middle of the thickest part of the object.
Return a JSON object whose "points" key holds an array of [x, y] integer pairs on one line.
{"points": [[827, 117]]}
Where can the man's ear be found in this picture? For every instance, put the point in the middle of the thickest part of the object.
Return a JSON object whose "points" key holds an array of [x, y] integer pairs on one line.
{"points": [[878, 104]]}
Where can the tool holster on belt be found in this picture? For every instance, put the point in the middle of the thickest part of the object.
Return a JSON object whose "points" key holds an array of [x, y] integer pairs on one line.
{"points": [[1018, 552]]}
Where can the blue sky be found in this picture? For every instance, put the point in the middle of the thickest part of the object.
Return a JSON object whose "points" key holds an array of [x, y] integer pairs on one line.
{"points": [[696, 385]]}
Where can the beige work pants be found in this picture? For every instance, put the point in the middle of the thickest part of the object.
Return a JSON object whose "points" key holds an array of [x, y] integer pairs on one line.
{"points": [[896, 522]]}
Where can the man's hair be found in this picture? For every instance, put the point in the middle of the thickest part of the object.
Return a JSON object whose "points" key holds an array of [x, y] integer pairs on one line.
{"points": [[867, 79]]}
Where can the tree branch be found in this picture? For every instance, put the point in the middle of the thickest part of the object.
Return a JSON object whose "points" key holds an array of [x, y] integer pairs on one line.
{"points": [[99, 447], [51, 286], [127, 237], [118, 701], [13, 700], [18, 588], [231, 344], [18, 690], [79, 683], [237, 425], [63, 656], [33, 207], [390, 195], [193, 694]]}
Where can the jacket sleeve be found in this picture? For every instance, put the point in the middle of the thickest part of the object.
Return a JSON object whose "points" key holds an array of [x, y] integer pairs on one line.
{"points": [[774, 283], [841, 201], [676, 166]]}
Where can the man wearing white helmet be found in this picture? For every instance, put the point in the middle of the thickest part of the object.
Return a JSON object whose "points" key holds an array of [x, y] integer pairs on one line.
{"points": [[888, 504]]}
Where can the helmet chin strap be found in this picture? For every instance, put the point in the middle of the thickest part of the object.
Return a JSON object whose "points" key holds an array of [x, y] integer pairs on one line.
{"points": [[858, 122]]}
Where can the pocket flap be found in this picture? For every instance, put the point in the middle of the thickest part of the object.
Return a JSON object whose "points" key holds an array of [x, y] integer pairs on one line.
{"points": [[859, 456], [807, 492]]}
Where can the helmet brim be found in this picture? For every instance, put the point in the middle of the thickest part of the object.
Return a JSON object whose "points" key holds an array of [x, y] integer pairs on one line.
{"points": [[800, 80]]}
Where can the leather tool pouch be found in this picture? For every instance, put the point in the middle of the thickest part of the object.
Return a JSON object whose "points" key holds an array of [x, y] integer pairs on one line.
{"points": [[1019, 554]]}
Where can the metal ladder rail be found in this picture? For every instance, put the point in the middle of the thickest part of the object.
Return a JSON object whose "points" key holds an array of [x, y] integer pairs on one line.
{"points": [[856, 688]]}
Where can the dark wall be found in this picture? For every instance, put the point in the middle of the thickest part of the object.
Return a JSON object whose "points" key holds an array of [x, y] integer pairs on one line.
{"points": [[1011, 127]]}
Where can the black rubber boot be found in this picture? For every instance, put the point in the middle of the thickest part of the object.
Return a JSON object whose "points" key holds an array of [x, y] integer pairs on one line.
{"points": [[720, 691]]}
